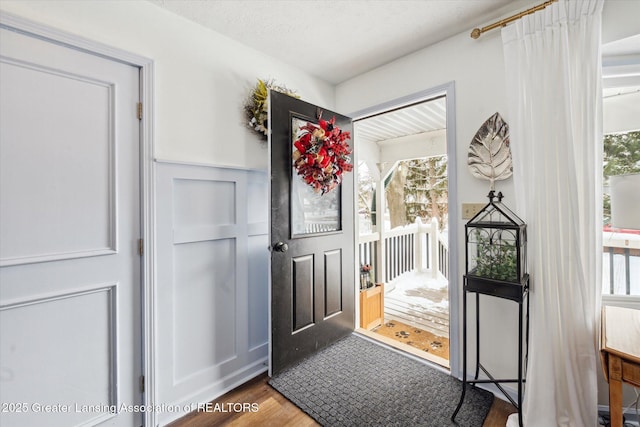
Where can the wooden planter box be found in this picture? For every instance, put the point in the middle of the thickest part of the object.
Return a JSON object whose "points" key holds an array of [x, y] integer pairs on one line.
{"points": [[372, 307]]}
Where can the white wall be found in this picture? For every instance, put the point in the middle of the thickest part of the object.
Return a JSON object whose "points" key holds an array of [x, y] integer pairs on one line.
{"points": [[477, 67], [202, 77], [621, 113]]}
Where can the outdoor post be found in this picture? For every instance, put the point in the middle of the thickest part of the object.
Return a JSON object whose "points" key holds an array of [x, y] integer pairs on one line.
{"points": [[433, 240], [419, 244], [380, 265]]}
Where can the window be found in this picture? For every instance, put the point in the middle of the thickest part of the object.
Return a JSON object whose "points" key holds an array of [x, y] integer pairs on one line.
{"points": [[621, 172], [621, 239]]}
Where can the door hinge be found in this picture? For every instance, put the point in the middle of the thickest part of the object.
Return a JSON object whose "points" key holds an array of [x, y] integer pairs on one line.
{"points": [[141, 383], [141, 247], [139, 110]]}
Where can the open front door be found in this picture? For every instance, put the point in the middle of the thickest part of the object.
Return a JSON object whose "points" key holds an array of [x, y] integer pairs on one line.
{"points": [[312, 244]]}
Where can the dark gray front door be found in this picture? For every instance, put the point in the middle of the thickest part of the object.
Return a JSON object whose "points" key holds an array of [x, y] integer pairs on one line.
{"points": [[312, 238]]}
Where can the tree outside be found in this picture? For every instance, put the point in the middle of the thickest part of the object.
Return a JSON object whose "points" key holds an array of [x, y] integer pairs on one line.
{"points": [[621, 156], [394, 193], [366, 199], [418, 188]]}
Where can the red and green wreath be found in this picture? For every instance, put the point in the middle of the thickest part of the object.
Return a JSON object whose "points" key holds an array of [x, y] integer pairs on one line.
{"points": [[321, 155]]}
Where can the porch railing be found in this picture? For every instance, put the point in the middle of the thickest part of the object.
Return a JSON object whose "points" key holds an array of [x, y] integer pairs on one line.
{"points": [[414, 247], [420, 246], [399, 252], [620, 265], [368, 252]]}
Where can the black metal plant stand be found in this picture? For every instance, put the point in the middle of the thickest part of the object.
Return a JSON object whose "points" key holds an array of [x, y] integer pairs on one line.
{"points": [[523, 319], [496, 238]]}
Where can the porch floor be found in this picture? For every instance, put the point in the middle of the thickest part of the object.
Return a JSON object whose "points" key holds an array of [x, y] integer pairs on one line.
{"points": [[419, 300]]}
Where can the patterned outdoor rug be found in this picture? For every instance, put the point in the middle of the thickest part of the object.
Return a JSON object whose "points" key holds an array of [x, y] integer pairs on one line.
{"points": [[415, 337], [355, 382]]}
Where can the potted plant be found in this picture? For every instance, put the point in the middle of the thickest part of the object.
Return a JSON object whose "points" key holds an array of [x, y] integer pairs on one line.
{"points": [[365, 276], [496, 251], [495, 261]]}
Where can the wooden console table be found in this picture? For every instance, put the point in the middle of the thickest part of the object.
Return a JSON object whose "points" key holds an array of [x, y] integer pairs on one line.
{"points": [[620, 353]]}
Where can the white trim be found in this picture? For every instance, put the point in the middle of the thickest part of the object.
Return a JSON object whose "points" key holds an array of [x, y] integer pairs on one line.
{"points": [[404, 101], [447, 89], [148, 227], [44, 32], [208, 165], [56, 256], [630, 301], [147, 175], [55, 296], [269, 266]]}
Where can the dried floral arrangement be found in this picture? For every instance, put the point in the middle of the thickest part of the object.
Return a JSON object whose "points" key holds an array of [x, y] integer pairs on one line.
{"points": [[256, 106]]}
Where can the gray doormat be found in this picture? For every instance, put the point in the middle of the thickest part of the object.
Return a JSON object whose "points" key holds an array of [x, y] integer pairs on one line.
{"points": [[355, 382]]}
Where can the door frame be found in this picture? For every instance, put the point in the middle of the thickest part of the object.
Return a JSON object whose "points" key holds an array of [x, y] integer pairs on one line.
{"points": [[146, 180], [448, 90]]}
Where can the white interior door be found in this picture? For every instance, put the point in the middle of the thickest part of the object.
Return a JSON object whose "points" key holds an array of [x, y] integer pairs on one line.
{"points": [[69, 227]]}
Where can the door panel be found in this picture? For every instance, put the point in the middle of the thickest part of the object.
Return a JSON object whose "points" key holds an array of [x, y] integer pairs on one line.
{"points": [[333, 282], [302, 298], [70, 198], [70, 221], [312, 280]]}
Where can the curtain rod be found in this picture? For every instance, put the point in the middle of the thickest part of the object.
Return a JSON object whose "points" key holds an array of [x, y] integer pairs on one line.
{"points": [[478, 31]]}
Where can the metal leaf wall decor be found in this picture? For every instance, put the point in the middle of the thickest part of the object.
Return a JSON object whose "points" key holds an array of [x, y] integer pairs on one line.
{"points": [[489, 151]]}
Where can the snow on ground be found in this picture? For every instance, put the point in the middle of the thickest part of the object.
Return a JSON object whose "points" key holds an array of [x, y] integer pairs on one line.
{"points": [[420, 290]]}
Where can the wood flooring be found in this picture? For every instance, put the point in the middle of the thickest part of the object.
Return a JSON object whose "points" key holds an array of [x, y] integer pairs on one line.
{"points": [[270, 408]]}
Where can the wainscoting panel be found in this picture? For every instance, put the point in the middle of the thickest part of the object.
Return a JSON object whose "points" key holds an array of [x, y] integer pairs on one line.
{"points": [[197, 202], [204, 288], [212, 294], [258, 291]]}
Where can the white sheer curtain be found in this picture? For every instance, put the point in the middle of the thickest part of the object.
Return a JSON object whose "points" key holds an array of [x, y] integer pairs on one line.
{"points": [[553, 69]]}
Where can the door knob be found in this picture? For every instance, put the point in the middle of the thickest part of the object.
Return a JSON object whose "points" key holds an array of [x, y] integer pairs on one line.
{"points": [[281, 247]]}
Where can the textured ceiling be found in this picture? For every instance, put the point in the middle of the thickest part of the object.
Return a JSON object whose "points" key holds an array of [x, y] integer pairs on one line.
{"points": [[337, 39]]}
